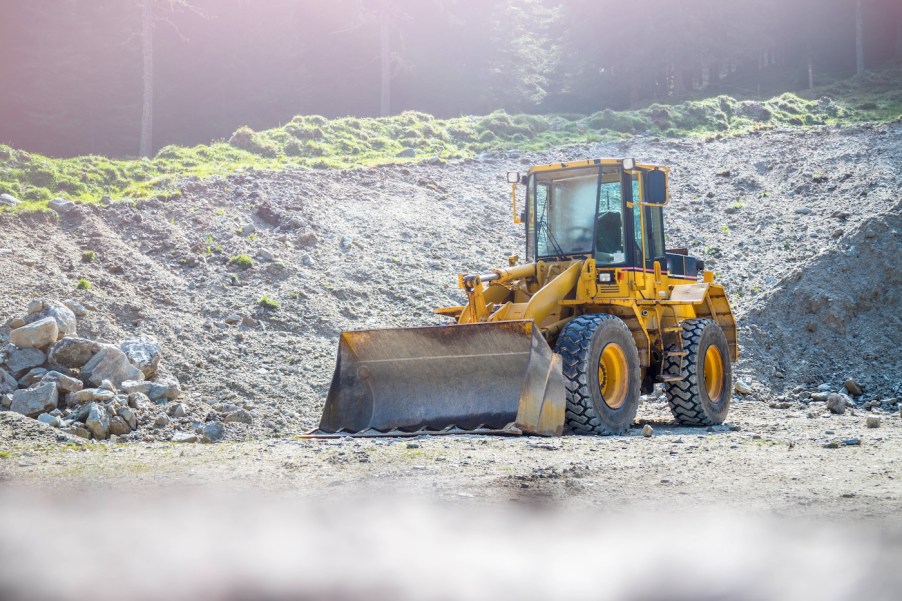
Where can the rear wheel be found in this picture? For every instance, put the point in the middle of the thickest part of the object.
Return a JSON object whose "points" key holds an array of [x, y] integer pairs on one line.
{"points": [[601, 374], [702, 396]]}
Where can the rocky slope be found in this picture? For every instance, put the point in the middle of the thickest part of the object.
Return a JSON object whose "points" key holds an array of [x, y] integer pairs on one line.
{"points": [[785, 218]]}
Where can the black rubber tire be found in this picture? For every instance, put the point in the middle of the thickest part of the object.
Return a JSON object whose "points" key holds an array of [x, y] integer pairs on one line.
{"points": [[688, 398], [580, 345]]}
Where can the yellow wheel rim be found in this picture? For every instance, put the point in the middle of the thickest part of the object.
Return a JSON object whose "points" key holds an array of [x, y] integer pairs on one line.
{"points": [[613, 378], [713, 373]]}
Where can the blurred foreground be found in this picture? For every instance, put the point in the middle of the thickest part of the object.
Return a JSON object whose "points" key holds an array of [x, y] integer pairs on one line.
{"points": [[206, 545]]}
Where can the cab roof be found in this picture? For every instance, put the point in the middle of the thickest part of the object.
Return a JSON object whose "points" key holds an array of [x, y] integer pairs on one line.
{"points": [[593, 163]]}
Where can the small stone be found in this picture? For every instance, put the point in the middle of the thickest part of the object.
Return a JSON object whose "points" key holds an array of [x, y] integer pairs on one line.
{"points": [[184, 437], [307, 261], [133, 386], [103, 395], [407, 153], [8, 383], [129, 416], [39, 334], [63, 382], [77, 308], [8, 200], [833, 444], [6, 400], [873, 421], [161, 420], [213, 432], [802, 211], [413, 445], [742, 387], [32, 377], [647, 431], [72, 352], [137, 400], [346, 242], [25, 359], [851, 442], [308, 239], [265, 254], [118, 426], [82, 432], [820, 396], [825, 387], [233, 319], [84, 395], [97, 421], [107, 385], [35, 401], [61, 205], [144, 353], [169, 389], [836, 403], [50, 420], [179, 410], [852, 387], [247, 230], [241, 416], [111, 364]]}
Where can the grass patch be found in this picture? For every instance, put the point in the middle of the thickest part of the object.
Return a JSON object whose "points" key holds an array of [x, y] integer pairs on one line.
{"points": [[315, 142], [241, 262], [268, 303], [83, 284], [88, 256]]}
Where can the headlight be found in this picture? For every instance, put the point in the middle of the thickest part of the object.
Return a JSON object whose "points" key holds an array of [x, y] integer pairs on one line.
{"points": [[605, 277], [513, 177], [629, 164]]}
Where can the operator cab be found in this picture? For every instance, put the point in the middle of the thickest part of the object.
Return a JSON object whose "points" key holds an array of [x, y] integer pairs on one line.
{"points": [[607, 209]]}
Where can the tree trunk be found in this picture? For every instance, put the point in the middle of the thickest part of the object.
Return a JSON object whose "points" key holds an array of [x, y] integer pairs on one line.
{"points": [[147, 53], [385, 66], [859, 39]]}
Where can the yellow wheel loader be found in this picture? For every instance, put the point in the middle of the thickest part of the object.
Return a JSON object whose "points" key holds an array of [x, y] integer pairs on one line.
{"points": [[620, 311]]}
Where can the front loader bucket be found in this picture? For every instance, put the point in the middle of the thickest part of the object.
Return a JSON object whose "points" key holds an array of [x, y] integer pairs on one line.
{"points": [[487, 377]]}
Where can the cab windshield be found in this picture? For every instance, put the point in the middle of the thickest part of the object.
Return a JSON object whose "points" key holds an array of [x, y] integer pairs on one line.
{"points": [[576, 212]]}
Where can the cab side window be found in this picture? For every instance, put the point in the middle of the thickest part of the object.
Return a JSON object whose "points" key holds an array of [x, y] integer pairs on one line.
{"points": [[609, 224]]}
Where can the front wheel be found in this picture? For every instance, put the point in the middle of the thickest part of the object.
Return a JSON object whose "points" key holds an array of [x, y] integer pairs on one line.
{"points": [[601, 374], [701, 397]]}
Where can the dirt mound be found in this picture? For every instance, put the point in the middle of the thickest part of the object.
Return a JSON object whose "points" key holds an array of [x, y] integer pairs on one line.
{"points": [[837, 316]]}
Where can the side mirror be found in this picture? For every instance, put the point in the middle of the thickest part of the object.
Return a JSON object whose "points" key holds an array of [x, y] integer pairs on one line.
{"points": [[656, 187]]}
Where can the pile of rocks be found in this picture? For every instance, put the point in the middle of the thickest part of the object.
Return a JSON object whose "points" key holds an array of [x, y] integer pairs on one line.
{"points": [[85, 388]]}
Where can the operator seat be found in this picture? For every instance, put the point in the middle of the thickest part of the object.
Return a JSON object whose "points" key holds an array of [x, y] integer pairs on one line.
{"points": [[609, 233]]}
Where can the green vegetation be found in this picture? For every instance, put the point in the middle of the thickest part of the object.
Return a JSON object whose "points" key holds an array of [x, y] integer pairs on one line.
{"points": [[241, 261], [319, 143], [268, 303], [88, 256], [83, 284]]}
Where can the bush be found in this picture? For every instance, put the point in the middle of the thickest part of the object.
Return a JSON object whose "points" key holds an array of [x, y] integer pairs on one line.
{"points": [[247, 139], [83, 284], [241, 261], [268, 303], [88, 256]]}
